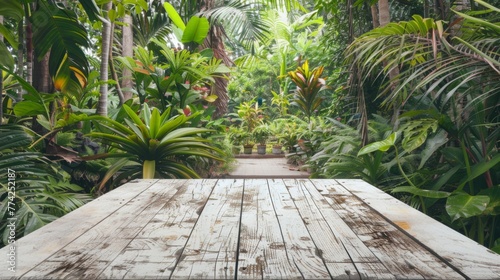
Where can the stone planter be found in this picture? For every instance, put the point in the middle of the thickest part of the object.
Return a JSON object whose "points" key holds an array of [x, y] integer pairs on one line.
{"points": [[261, 149]]}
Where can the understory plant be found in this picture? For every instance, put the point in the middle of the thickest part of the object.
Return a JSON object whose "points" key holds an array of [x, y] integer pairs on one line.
{"points": [[181, 79], [152, 145], [33, 190], [309, 86], [447, 84]]}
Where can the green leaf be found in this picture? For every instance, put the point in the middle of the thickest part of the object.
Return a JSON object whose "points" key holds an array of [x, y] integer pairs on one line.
{"points": [[479, 21], [174, 16], [196, 30], [91, 9], [11, 9], [463, 205], [432, 145], [9, 36], [479, 169], [28, 108], [421, 192], [154, 124], [6, 58], [211, 98], [493, 207], [383, 145], [415, 133], [112, 15], [177, 32], [58, 31]]}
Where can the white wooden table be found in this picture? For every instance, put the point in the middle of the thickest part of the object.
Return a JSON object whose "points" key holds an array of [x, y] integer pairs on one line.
{"points": [[248, 229]]}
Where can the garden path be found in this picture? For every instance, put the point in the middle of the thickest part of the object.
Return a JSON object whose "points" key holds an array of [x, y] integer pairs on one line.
{"points": [[265, 167]]}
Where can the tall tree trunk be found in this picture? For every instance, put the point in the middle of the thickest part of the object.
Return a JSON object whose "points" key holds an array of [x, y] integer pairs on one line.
{"points": [[20, 56], [363, 121], [1, 82], [350, 21], [215, 42], [114, 75], [385, 18], [383, 12], [127, 50], [42, 81], [29, 52], [102, 108], [374, 11], [426, 9]]}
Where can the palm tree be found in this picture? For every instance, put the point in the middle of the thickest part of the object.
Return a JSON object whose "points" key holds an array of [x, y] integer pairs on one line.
{"points": [[127, 50], [107, 39]]}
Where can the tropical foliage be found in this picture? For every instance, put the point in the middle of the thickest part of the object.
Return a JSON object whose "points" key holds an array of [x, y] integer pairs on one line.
{"points": [[152, 144], [401, 94], [309, 85], [33, 192]]}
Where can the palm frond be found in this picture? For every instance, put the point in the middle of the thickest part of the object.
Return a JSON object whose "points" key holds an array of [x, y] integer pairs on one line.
{"points": [[60, 33], [35, 197], [241, 19]]}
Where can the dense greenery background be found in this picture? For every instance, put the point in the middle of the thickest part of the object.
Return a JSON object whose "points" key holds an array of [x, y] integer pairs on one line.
{"points": [[403, 95]]}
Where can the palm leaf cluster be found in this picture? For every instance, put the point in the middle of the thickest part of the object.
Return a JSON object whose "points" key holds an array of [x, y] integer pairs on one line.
{"points": [[36, 196], [153, 145], [432, 62], [241, 19], [447, 84], [309, 85]]}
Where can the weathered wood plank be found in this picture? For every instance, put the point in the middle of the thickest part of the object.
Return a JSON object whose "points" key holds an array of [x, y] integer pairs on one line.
{"points": [[154, 252], [291, 229], [367, 264], [89, 254], [262, 252], [34, 248], [404, 258], [301, 250], [211, 250], [472, 259], [328, 242]]}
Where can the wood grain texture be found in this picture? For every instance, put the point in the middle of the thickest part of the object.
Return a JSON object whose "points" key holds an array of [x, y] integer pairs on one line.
{"points": [[402, 256], [262, 250], [38, 246], [301, 250], [157, 248], [472, 259], [211, 250], [328, 241], [89, 254], [249, 229]]}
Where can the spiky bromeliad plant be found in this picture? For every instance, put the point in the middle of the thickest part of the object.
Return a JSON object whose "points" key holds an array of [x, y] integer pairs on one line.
{"points": [[153, 145], [309, 85]]}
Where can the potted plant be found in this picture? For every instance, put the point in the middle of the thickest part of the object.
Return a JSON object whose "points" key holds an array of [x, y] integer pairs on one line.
{"points": [[261, 133], [276, 129], [277, 148], [251, 115], [236, 135], [248, 145]]}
